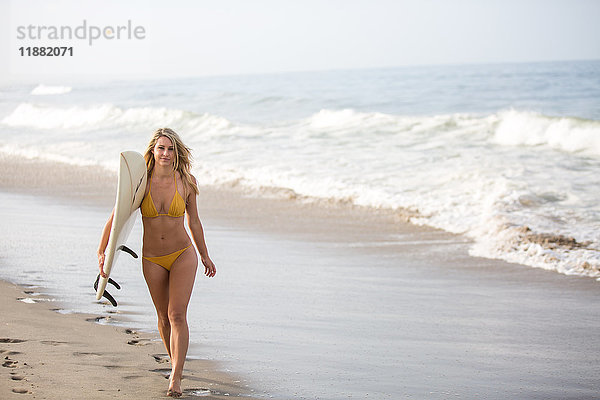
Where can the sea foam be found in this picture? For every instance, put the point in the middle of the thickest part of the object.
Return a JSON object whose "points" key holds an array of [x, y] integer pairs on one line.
{"points": [[42, 90], [504, 179], [82, 118]]}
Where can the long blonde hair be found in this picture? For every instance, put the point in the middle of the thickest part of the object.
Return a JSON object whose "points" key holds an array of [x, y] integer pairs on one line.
{"points": [[183, 156]]}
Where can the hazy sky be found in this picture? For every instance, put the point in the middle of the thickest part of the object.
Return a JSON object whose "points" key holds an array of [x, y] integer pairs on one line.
{"points": [[188, 38]]}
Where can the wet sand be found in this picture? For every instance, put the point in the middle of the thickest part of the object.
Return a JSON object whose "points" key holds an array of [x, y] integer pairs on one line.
{"points": [[48, 355], [466, 327]]}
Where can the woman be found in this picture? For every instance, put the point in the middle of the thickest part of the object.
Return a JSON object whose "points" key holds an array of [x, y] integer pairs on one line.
{"points": [[169, 259]]}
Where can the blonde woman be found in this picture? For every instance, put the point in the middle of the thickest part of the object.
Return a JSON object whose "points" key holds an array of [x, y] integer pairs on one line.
{"points": [[169, 259]]}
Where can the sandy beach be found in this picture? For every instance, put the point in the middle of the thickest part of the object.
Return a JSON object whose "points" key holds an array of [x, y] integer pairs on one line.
{"points": [[47, 355], [50, 354], [454, 326]]}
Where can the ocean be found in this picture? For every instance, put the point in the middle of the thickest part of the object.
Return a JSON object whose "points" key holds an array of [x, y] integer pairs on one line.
{"points": [[503, 157], [507, 155]]}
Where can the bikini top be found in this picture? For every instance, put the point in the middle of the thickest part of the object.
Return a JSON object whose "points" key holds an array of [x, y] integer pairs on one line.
{"points": [[177, 208]]}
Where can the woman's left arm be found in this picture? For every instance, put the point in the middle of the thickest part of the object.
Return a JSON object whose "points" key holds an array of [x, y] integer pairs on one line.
{"points": [[198, 233]]}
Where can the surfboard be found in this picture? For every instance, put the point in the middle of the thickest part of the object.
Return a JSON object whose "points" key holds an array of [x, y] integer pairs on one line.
{"points": [[131, 187]]}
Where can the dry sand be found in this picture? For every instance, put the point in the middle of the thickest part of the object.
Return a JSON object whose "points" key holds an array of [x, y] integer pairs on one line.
{"points": [[47, 355]]}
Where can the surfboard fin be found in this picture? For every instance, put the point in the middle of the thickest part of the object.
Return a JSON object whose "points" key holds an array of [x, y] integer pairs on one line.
{"points": [[107, 295], [127, 250]]}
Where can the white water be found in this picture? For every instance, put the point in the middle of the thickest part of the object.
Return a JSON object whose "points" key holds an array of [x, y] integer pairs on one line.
{"points": [[497, 162], [485, 176], [510, 169], [42, 90]]}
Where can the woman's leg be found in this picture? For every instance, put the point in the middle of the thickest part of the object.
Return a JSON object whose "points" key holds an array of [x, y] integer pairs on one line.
{"points": [[157, 279], [181, 283]]}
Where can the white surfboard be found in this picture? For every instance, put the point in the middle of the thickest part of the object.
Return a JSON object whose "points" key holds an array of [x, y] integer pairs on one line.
{"points": [[131, 187]]}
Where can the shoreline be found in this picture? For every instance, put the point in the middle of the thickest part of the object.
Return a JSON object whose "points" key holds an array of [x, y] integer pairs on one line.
{"points": [[56, 356], [474, 327], [274, 211], [36, 337]]}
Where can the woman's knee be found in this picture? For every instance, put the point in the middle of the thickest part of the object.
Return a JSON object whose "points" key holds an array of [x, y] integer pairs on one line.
{"points": [[177, 317]]}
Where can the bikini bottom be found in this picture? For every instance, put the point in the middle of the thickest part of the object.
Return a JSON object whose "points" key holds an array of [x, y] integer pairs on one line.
{"points": [[166, 261]]}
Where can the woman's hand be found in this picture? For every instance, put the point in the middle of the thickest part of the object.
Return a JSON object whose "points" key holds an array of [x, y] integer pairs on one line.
{"points": [[209, 267], [104, 243], [101, 257]]}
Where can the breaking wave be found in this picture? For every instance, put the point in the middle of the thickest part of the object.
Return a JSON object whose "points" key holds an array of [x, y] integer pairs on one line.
{"points": [[515, 182], [42, 90]]}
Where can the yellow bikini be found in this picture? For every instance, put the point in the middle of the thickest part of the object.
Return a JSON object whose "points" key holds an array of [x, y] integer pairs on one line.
{"points": [[168, 260], [176, 209]]}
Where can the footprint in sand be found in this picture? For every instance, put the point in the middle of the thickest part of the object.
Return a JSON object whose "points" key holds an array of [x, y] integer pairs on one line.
{"points": [[130, 377], [165, 372], [53, 343], [103, 320], [8, 340], [8, 363], [86, 354], [139, 342], [200, 392], [10, 353], [114, 366], [161, 358]]}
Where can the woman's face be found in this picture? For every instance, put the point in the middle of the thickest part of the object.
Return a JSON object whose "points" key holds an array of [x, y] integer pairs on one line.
{"points": [[164, 152]]}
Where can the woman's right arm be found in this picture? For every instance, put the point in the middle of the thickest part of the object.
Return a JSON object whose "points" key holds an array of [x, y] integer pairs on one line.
{"points": [[104, 243]]}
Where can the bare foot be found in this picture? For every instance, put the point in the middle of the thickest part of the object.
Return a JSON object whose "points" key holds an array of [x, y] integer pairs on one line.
{"points": [[174, 387]]}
